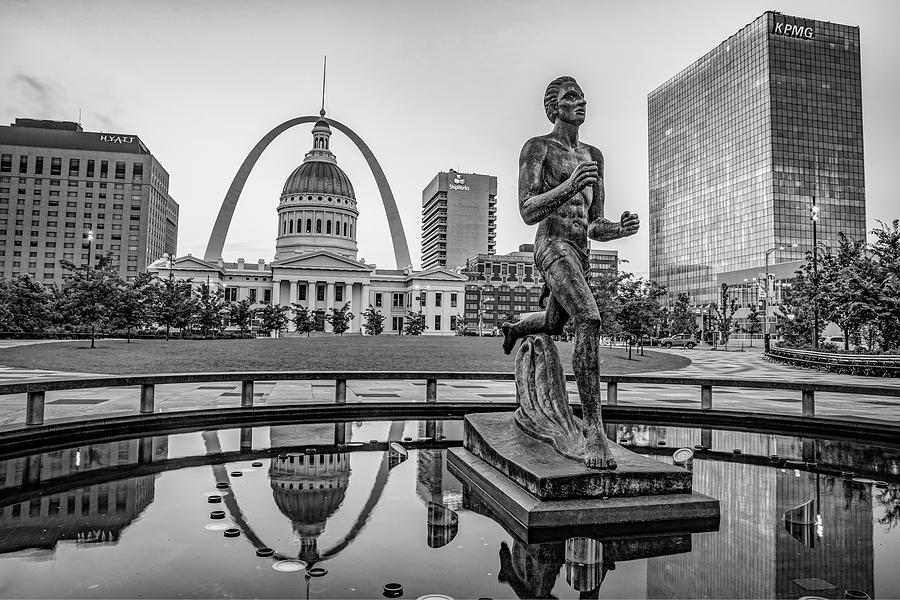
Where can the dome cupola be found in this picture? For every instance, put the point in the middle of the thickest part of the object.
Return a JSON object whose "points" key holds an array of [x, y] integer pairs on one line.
{"points": [[317, 209]]}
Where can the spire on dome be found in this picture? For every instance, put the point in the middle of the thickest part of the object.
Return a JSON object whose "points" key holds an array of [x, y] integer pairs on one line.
{"points": [[324, 68]]}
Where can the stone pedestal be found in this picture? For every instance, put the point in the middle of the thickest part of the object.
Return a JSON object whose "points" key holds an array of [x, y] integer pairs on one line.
{"points": [[541, 471]]}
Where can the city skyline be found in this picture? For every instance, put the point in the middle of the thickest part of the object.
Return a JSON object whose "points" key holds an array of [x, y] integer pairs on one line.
{"points": [[428, 89]]}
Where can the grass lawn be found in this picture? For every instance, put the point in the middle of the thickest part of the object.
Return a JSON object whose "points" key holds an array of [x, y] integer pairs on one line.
{"points": [[320, 352]]}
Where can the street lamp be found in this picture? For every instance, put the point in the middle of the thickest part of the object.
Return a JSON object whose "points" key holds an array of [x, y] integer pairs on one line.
{"points": [[767, 291], [90, 241], [481, 314], [814, 217]]}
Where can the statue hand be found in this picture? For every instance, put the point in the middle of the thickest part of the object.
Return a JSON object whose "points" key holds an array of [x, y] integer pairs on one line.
{"points": [[585, 175], [629, 224]]}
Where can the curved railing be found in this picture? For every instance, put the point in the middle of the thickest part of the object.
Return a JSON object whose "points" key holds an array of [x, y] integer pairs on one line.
{"points": [[36, 431], [872, 365]]}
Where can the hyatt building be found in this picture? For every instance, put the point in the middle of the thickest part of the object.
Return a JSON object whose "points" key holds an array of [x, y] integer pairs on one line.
{"points": [[743, 142]]}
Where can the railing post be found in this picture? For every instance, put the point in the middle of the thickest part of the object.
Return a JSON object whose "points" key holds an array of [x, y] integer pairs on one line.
{"points": [[612, 393], [340, 391], [34, 410], [247, 393], [809, 403], [706, 397], [431, 390], [148, 393]]}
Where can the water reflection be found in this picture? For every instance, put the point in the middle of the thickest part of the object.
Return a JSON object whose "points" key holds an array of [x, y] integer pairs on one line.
{"points": [[438, 490], [815, 526], [308, 488], [531, 570], [34, 516], [785, 532]]}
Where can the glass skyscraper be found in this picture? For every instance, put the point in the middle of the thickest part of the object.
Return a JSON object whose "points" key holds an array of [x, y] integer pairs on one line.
{"points": [[743, 140]]}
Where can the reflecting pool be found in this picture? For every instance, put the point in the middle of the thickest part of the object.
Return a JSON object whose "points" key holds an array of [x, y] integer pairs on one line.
{"points": [[343, 510]]}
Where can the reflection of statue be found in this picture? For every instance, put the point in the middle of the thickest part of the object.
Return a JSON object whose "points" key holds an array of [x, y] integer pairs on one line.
{"points": [[561, 190]]}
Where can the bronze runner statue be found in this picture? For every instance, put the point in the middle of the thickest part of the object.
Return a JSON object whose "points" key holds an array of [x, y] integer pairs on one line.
{"points": [[561, 189]]}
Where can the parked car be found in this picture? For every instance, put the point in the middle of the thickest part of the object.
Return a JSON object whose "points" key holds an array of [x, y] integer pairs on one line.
{"points": [[648, 340], [837, 340], [683, 340]]}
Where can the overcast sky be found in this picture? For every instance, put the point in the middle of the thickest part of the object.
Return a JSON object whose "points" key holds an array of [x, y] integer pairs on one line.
{"points": [[429, 86]]}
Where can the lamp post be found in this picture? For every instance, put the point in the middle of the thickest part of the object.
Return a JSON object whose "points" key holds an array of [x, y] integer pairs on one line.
{"points": [[814, 217], [90, 241], [481, 304]]}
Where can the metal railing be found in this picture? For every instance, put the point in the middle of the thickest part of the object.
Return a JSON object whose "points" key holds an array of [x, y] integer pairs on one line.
{"points": [[872, 365], [36, 390]]}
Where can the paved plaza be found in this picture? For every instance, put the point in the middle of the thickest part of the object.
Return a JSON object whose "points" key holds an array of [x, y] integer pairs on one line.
{"points": [[706, 363]]}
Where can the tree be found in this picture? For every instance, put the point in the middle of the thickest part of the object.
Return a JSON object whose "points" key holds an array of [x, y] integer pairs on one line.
{"points": [[209, 304], [752, 324], [795, 314], [682, 318], [25, 305], [373, 321], [415, 323], [605, 286], [886, 271], [726, 310], [134, 304], [174, 304], [640, 311], [240, 314], [89, 294], [849, 286], [340, 318], [273, 317], [460, 325], [304, 320]]}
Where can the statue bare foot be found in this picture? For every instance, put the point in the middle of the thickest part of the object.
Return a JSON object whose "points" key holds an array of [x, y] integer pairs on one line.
{"points": [[597, 454], [509, 342]]}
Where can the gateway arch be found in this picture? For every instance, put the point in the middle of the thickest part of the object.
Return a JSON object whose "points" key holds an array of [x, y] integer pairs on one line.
{"points": [[223, 220]]}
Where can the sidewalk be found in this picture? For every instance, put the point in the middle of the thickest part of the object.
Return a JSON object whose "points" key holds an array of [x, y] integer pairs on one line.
{"points": [[706, 363]]}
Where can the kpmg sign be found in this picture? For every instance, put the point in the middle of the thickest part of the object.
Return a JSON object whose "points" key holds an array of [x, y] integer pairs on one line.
{"points": [[794, 30]]}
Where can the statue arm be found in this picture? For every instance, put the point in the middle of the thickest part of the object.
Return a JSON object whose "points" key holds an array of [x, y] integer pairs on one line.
{"points": [[599, 227], [534, 205]]}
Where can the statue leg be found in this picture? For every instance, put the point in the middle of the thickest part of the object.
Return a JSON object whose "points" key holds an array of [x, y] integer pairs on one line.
{"points": [[550, 321], [571, 291]]}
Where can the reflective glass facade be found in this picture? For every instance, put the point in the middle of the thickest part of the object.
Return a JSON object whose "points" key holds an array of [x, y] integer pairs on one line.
{"points": [[743, 139]]}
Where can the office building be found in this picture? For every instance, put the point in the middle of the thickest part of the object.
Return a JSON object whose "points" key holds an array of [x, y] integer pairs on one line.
{"points": [[744, 141], [459, 218], [502, 287], [66, 193]]}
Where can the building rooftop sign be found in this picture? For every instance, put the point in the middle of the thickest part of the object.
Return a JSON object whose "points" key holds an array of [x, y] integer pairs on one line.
{"points": [[797, 29]]}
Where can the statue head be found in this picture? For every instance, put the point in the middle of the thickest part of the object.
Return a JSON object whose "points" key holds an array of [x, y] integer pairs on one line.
{"points": [[551, 96]]}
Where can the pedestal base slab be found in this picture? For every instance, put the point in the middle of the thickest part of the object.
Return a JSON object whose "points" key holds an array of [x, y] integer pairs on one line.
{"points": [[496, 439], [532, 519]]}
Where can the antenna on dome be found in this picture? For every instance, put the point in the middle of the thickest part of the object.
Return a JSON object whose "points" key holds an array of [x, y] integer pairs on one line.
{"points": [[324, 67]]}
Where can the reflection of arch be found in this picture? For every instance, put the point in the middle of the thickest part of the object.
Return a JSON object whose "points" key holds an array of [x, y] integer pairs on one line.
{"points": [[211, 441], [223, 220]]}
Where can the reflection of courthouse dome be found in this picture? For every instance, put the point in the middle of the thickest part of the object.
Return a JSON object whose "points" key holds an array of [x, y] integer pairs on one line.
{"points": [[317, 209], [308, 489]]}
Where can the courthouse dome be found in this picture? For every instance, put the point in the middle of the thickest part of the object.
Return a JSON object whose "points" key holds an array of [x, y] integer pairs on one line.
{"points": [[319, 177]]}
